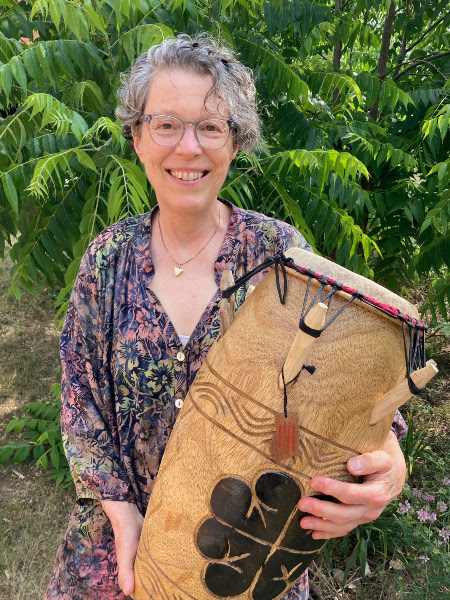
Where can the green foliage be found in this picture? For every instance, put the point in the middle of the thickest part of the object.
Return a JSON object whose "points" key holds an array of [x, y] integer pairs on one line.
{"points": [[41, 440], [356, 160], [415, 444], [413, 530]]}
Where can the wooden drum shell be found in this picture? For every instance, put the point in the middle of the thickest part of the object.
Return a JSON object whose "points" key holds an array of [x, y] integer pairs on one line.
{"points": [[227, 422]]}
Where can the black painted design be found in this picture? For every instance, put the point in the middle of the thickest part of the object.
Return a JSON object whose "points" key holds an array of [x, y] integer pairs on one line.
{"points": [[255, 538]]}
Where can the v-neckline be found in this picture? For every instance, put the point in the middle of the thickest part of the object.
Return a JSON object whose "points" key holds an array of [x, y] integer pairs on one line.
{"points": [[154, 299]]}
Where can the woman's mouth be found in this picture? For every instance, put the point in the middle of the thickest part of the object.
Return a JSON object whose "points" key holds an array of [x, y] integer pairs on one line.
{"points": [[188, 175]]}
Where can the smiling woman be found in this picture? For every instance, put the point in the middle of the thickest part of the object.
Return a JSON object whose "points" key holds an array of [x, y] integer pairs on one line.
{"points": [[145, 311]]}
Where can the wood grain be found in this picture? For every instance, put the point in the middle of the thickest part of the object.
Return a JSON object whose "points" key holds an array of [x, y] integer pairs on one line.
{"points": [[225, 428]]}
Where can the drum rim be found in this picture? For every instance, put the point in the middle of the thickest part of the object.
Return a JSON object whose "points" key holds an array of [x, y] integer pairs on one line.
{"points": [[386, 308]]}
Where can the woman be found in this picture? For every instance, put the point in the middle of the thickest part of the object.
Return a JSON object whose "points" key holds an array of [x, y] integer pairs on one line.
{"points": [[144, 312]]}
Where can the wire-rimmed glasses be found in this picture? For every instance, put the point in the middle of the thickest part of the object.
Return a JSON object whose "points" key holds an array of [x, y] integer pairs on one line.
{"points": [[167, 130]]}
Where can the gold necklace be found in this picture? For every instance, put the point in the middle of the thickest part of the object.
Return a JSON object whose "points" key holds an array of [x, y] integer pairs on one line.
{"points": [[177, 271]]}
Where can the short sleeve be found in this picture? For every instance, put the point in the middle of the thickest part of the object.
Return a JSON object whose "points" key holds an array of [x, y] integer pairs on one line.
{"points": [[88, 420], [291, 238]]}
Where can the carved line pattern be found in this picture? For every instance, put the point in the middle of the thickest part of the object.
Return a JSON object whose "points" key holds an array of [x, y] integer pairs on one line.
{"points": [[313, 456], [273, 412], [156, 574], [266, 456], [211, 396], [235, 389], [236, 412]]}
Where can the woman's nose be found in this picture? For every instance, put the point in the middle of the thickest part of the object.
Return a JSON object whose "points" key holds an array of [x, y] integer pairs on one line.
{"points": [[188, 143]]}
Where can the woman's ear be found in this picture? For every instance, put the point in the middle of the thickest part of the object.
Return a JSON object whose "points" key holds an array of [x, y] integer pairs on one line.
{"points": [[137, 144], [235, 151]]}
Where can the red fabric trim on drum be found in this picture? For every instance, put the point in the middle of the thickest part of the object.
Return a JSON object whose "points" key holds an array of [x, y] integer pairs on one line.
{"points": [[375, 303]]}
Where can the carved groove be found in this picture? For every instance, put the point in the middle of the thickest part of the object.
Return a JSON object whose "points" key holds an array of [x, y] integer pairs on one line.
{"points": [[235, 410], [231, 434], [156, 576]]}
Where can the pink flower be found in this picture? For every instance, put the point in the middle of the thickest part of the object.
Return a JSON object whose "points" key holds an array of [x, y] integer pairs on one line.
{"points": [[416, 493], [424, 558], [428, 497], [445, 533], [442, 507], [432, 517], [446, 481], [404, 508], [423, 515]]}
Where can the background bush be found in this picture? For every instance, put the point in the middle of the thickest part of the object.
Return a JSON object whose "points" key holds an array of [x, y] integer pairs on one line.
{"points": [[354, 100]]}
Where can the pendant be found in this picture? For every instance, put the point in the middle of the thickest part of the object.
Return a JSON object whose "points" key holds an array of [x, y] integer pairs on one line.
{"points": [[177, 271]]}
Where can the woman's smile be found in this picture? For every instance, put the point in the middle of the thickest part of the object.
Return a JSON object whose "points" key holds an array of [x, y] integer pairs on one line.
{"points": [[185, 176], [188, 175]]}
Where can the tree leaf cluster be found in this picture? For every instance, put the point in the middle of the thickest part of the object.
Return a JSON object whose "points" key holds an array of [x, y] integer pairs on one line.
{"points": [[355, 115], [41, 439]]}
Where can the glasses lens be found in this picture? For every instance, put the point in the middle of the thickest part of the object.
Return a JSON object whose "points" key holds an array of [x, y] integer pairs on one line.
{"points": [[165, 130], [213, 133]]}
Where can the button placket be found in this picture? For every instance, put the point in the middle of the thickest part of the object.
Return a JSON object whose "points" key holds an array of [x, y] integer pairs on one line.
{"points": [[182, 382]]}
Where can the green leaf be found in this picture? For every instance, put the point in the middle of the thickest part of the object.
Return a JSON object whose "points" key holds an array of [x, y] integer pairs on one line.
{"points": [[85, 159], [11, 192], [55, 457], [5, 454], [21, 454], [6, 81], [33, 67], [18, 70], [94, 19], [42, 461]]}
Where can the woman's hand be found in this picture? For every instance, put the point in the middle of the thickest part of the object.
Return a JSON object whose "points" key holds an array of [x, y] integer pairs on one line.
{"points": [[127, 524], [384, 473]]}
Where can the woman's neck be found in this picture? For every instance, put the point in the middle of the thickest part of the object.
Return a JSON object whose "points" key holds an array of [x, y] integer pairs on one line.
{"points": [[187, 231]]}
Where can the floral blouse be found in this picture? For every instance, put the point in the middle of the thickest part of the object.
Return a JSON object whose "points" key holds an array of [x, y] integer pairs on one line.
{"points": [[124, 367]]}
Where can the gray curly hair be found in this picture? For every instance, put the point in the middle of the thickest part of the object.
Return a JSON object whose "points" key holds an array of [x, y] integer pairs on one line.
{"points": [[233, 84]]}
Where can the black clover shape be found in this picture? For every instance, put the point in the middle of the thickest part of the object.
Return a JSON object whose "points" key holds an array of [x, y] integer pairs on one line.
{"points": [[255, 538]]}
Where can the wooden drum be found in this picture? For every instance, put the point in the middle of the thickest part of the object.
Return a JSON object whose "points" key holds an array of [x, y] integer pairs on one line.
{"points": [[223, 520]]}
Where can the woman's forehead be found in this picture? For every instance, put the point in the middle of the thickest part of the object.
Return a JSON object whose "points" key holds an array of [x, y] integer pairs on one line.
{"points": [[183, 91]]}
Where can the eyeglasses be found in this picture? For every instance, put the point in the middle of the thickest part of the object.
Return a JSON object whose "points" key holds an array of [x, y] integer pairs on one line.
{"points": [[165, 130]]}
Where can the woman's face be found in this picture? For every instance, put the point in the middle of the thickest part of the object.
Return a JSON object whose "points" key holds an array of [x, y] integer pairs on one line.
{"points": [[182, 94]]}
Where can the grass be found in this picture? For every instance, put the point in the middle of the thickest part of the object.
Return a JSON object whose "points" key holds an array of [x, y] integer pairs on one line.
{"points": [[33, 517], [28, 347], [34, 513]]}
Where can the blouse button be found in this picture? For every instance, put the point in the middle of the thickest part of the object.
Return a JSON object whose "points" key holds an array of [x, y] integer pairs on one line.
{"points": [[179, 402], [180, 356]]}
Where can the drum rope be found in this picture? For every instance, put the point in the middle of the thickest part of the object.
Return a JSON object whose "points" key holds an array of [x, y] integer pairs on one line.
{"points": [[414, 357]]}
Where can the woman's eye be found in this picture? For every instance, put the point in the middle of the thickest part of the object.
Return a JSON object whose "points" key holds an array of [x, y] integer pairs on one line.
{"points": [[211, 127]]}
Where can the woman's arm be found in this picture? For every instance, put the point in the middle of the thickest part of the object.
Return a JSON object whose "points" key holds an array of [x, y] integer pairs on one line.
{"points": [[384, 473], [127, 524]]}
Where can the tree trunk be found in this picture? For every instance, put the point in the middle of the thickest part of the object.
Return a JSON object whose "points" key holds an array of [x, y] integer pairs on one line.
{"points": [[384, 53]]}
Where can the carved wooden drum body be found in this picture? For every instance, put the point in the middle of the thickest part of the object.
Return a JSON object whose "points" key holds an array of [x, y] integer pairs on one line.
{"points": [[223, 520]]}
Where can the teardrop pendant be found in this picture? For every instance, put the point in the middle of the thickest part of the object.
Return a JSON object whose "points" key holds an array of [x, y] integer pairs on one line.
{"points": [[177, 271]]}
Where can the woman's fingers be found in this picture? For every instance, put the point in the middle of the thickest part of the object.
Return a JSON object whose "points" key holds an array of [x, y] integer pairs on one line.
{"points": [[370, 493], [328, 519], [127, 524], [358, 503]]}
